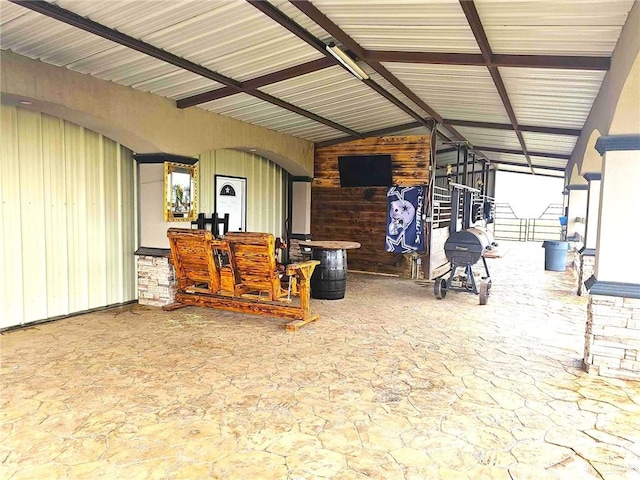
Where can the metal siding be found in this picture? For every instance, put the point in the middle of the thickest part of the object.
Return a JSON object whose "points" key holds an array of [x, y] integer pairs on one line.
{"points": [[55, 211], [95, 220], [32, 222], [128, 228], [112, 233], [11, 280], [68, 195], [552, 97], [266, 187], [454, 91], [554, 27], [78, 256], [403, 25]]}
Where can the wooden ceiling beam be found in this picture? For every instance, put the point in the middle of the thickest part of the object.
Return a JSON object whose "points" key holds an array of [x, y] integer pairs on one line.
{"points": [[311, 11], [496, 60], [469, 9], [276, 15], [561, 156], [516, 164], [574, 132], [73, 19], [373, 133], [275, 77]]}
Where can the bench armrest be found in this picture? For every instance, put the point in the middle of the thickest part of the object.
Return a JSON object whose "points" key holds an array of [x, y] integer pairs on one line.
{"points": [[294, 268]]}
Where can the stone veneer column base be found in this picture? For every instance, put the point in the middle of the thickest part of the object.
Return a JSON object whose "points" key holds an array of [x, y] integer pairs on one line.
{"points": [[612, 339], [587, 265], [155, 281]]}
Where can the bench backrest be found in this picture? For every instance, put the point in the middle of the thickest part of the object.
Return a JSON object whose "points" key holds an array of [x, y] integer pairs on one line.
{"points": [[192, 252], [252, 257]]}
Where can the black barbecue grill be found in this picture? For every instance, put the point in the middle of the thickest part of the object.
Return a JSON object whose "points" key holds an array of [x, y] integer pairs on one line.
{"points": [[463, 250]]}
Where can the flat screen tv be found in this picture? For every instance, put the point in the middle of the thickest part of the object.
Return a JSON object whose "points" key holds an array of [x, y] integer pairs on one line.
{"points": [[365, 170]]}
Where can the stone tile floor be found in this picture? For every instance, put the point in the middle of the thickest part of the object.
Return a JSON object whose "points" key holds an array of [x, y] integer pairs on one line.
{"points": [[389, 384]]}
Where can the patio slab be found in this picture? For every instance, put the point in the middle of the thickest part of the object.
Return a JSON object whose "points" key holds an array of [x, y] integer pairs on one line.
{"points": [[390, 383]]}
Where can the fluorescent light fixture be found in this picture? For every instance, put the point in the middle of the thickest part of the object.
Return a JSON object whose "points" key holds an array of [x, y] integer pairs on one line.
{"points": [[347, 62]]}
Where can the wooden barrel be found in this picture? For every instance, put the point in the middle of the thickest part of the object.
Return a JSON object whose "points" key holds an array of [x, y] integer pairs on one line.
{"points": [[329, 279]]}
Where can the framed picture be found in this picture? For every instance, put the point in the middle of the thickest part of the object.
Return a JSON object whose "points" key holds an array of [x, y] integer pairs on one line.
{"points": [[180, 192], [231, 198]]}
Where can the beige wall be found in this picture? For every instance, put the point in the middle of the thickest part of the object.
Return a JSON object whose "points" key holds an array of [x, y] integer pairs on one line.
{"points": [[143, 122], [625, 65], [301, 216], [616, 260], [266, 194], [67, 218], [577, 213], [593, 211]]}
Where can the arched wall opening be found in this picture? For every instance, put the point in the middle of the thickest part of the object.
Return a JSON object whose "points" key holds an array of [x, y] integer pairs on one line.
{"points": [[592, 160], [626, 117]]}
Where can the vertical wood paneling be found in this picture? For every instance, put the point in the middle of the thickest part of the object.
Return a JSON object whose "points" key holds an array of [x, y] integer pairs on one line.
{"points": [[68, 228], [266, 187], [360, 214], [11, 301]]}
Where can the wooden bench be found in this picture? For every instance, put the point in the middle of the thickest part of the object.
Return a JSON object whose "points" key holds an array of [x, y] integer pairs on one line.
{"points": [[238, 273]]}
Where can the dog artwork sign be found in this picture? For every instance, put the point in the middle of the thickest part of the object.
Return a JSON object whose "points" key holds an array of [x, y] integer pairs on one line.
{"points": [[404, 221]]}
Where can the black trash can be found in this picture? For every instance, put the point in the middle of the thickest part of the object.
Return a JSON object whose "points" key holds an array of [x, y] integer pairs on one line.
{"points": [[329, 279]]}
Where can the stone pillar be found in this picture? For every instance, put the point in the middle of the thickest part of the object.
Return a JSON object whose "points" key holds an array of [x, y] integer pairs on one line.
{"points": [[588, 251], [612, 339], [156, 277], [300, 218]]}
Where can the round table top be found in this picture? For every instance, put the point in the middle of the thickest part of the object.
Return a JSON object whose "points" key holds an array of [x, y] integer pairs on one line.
{"points": [[330, 244]]}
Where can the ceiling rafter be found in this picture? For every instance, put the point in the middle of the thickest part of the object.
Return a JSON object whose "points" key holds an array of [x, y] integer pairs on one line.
{"points": [[371, 133], [561, 156], [336, 32], [544, 167], [71, 18], [574, 132], [286, 22], [469, 9], [254, 83], [497, 60]]}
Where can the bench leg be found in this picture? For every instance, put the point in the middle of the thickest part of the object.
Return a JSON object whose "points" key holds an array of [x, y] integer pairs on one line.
{"points": [[297, 324], [173, 306]]}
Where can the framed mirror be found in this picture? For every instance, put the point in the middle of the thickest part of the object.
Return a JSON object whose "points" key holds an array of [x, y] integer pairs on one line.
{"points": [[180, 192]]}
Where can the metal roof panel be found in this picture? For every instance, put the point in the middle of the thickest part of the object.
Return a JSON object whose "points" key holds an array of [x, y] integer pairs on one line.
{"points": [[408, 25], [454, 91], [490, 137], [544, 142], [558, 27], [326, 93], [552, 97]]}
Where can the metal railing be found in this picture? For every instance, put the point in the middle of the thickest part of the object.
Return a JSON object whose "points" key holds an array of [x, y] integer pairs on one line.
{"points": [[507, 226], [441, 207]]}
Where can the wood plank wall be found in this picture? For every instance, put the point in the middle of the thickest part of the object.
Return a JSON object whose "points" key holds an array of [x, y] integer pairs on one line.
{"points": [[359, 214]]}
